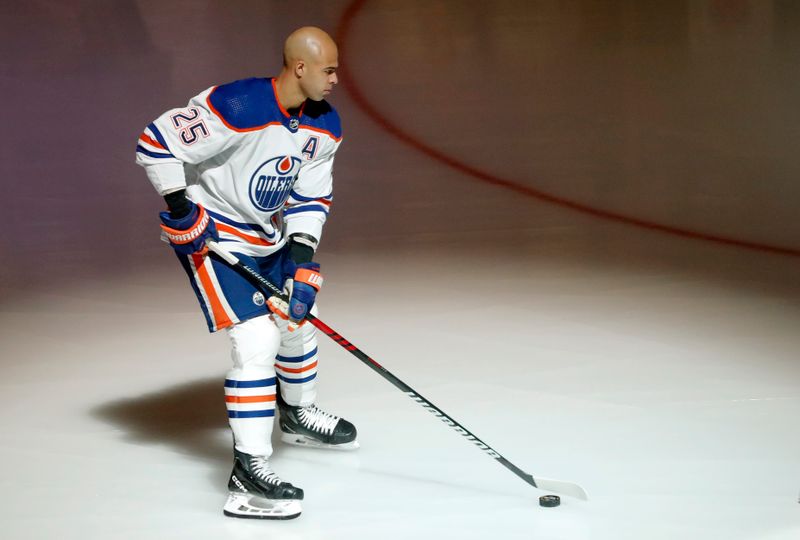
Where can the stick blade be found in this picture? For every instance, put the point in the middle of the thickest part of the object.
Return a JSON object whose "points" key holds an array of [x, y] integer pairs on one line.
{"points": [[562, 487]]}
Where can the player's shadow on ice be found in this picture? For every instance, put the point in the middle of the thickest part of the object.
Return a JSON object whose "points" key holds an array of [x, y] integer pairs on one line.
{"points": [[189, 417], [192, 419]]}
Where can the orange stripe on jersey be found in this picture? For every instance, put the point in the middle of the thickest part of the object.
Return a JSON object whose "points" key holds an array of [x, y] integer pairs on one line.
{"points": [[326, 202], [323, 131], [297, 370], [221, 318], [228, 125], [249, 399], [152, 142], [239, 234]]}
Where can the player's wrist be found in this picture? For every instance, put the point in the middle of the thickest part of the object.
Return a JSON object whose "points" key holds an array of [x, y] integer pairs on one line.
{"points": [[302, 248], [179, 206]]}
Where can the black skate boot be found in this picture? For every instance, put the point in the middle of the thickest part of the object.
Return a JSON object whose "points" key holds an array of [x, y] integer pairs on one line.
{"points": [[257, 492], [313, 427]]}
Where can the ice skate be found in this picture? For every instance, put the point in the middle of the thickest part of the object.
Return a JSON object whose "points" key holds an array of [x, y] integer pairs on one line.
{"points": [[257, 492], [312, 427]]}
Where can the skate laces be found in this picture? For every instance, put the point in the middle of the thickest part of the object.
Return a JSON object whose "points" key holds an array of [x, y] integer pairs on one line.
{"points": [[260, 467], [317, 419]]}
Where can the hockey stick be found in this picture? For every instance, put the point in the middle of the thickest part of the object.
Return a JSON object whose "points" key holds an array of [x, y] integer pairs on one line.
{"points": [[558, 486]]}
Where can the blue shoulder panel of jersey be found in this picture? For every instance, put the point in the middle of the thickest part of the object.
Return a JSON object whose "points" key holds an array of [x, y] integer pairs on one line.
{"points": [[320, 115], [246, 104]]}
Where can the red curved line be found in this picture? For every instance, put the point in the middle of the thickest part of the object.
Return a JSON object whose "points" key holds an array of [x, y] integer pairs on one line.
{"points": [[371, 111]]}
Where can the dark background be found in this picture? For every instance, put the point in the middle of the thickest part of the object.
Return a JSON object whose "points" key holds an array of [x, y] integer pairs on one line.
{"points": [[682, 114]]}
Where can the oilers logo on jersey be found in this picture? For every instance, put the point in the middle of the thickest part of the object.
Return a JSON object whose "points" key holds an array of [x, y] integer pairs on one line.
{"points": [[272, 182]]}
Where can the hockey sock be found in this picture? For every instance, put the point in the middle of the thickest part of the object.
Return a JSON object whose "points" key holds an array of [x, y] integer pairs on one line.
{"points": [[296, 364], [250, 385]]}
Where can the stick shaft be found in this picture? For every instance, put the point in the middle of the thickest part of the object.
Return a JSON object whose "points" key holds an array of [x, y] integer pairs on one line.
{"points": [[376, 367], [413, 394]]}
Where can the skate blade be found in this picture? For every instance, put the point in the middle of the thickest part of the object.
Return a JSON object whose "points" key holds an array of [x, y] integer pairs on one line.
{"points": [[308, 442], [242, 505]]}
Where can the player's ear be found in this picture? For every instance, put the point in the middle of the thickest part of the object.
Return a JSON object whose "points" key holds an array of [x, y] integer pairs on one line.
{"points": [[299, 68]]}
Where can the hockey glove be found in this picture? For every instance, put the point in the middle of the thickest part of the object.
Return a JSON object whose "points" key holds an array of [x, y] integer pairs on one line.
{"points": [[301, 289], [187, 235]]}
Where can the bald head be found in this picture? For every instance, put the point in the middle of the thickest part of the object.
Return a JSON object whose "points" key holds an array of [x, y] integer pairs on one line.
{"points": [[310, 61], [307, 44]]}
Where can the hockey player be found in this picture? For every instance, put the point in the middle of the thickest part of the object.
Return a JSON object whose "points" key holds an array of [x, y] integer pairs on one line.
{"points": [[249, 163]]}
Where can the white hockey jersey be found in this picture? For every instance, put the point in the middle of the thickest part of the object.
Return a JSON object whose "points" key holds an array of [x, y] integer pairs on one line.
{"points": [[261, 173]]}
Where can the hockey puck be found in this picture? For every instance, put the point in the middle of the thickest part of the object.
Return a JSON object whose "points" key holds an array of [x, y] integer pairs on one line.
{"points": [[549, 501]]}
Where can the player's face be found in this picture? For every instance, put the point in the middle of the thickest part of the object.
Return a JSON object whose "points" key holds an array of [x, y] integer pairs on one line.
{"points": [[319, 75]]}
